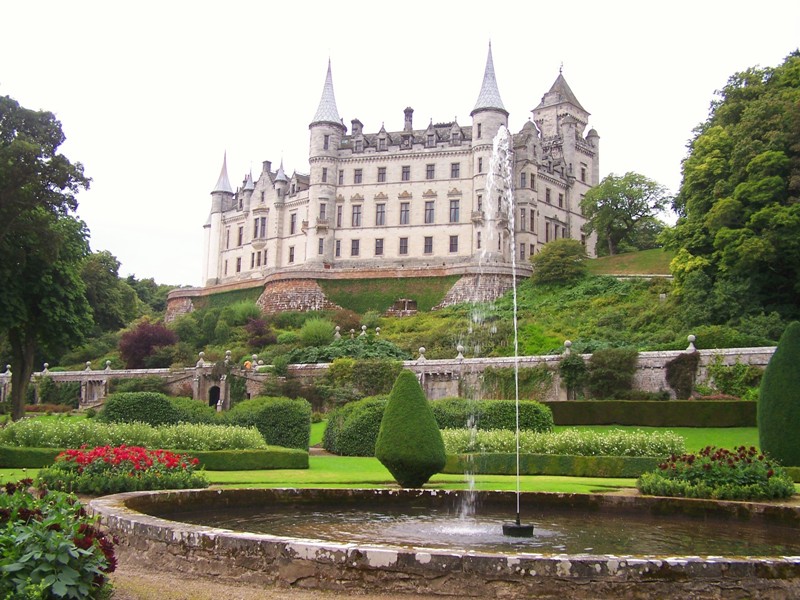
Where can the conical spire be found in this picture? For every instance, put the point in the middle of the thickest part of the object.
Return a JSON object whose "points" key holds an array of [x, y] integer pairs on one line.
{"points": [[327, 112], [489, 97], [223, 184], [281, 175], [248, 182], [560, 92]]}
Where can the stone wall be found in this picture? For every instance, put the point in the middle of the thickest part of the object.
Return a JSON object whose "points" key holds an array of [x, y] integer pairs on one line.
{"points": [[477, 288], [294, 295]]}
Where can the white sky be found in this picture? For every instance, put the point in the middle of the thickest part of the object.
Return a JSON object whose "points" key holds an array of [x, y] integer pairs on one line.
{"points": [[151, 93]]}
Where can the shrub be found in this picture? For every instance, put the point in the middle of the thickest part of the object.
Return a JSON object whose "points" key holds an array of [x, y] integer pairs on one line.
{"points": [[736, 379], [193, 411], [352, 429], [50, 547], [280, 421], [409, 442], [717, 473], [559, 261], [143, 341], [110, 470], [611, 371], [66, 393], [501, 414], [676, 413], [316, 332], [259, 333], [779, 402], [373, 376], [681, 372], [501, 382], [138, 384], [573, 372], [145, 407]]}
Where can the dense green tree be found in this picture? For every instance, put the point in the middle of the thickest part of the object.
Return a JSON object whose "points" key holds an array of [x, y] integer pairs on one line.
{"points": [[779, 400], [114, 303], [622, 210], [153, 294], [560, 261], [738, 232], [43, 307]]}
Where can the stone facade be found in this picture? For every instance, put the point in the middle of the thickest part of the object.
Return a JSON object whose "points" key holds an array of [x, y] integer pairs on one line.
{"points": [[416, 197], [293, 294]]}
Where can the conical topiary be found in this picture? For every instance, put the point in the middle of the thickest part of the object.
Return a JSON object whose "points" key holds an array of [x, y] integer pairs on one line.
{"points": [[409, 442], [779, 401]]}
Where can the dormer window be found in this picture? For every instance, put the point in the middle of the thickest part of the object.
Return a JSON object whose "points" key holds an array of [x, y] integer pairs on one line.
{"points": [[431, 140], [381, 143], [359, 146]]}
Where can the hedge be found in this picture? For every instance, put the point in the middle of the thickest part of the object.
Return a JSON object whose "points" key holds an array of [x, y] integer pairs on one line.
{"points": [[454, 413], [215, 460], [673, 413], [152, 408], [281, 421], [544, 464]]}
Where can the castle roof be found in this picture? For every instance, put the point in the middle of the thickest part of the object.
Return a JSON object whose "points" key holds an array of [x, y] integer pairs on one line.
{"points": [[560, 92], [223, 183], [248, 182], [281, 175], [327, 111], [489, 96]]}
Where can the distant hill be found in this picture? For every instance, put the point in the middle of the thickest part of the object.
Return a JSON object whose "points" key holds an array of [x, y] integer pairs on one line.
{"points": [[646, 262]]}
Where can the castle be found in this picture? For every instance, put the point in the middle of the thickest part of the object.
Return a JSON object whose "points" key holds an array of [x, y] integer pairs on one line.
{"points": [[410, 201]]}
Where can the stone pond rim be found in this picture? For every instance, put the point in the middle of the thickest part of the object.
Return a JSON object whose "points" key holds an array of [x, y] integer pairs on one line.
{"points": [[257, 559]]}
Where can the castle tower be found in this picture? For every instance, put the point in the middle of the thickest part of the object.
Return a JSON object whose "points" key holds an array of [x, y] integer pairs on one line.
{"points": [[221, 199], [326, 131], [488, 116]]}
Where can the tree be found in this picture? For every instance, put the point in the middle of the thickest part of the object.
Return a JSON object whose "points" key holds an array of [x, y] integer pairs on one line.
{"points": [[43, 305], [622, 210], [739, 202], [779, 400], [114, 303], [559, 261], [409, 442], [144, 341]]}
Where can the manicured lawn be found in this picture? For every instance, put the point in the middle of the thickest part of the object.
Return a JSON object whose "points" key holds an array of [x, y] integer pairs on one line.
{"points": [[696, 437], [317, 430]]}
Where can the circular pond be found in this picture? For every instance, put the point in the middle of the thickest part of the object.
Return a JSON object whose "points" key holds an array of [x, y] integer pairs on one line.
{"points": [[584, 546]]}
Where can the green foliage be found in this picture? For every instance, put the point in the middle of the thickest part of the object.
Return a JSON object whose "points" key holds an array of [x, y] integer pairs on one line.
{"points": [[681, 373], [779, 402], [742, 474], [352, 429], [736, 379], [739, 216], [676, 413], [622, 210], [348, 378], [224, 299], [359, 347], [138, 384], [409, 442], [551, 464], [240, 313], [316, 332], [50, 547], [363, 295], [114, 303], [141, 346], [272, 457], [611, 371], [145, 407], [456, 413], [280, 421], [193, 411], [655, 261], [66, 393], [280, 366], [73, 433], [571, 442], [106, 470], [573, 372], [560, 261], [501, 382]]}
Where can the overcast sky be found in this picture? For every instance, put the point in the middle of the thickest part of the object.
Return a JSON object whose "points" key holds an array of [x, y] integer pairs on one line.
{"points": [[151, 94]]}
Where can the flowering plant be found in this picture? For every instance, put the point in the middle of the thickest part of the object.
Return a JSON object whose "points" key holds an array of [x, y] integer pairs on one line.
{"points": [[740, 474], [50, 547], [112, 469]]}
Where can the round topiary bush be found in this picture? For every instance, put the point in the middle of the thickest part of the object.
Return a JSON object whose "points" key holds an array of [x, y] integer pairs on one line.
{"points": [[409, 442], [280, 421], [146, 407], [779, 400], [194, 411], [352, 429]]}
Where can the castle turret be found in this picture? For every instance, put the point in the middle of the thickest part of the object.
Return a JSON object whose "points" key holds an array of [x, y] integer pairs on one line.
{"points": [[489, 112], [221, 199], [247, 191]]}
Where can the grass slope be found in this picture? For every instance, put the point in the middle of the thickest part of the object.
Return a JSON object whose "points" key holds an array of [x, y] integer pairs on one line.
{"points": [[646, 262], [361, 295]]}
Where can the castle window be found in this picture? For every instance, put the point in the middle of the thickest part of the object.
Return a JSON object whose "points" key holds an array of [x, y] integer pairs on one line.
{"points": [[239, 264], [533, 222], [523, 180], [323, 211], [324, 174], [240, 202], [561, 201], [430, 171], [291, 254], [453, 243], [583, 173], [429, 215], [326, 141], [480, 165], [531, 250], [479, 131], [547, 195], [403, 245], [241, 235], [404, 210], [341, 177], [354, 247], [455, 170], [522, 251], [292, 223], [357, 176], [338, 248], [456, 139], [380, 214], [381, 143], [356, 221], [406, 175], [546, 232], [480, 202], [379, 247], [428, 245], [321, 245], [260, 227], [338, 216], [293, 189], [583, 239], [478, 240], [253, 259], [258, 259], [359, 146], [381, 174], [227, 238], [533, 181], [225, 268], [431, 140], [262, 196], [522, 219], [455, 209]]}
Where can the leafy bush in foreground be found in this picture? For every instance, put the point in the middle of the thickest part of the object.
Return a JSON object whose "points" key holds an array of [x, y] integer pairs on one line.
{"points": [[280, 421], [152, 408], [569, 442], [110, 470], [353, 428], [742, 474], [49, 547]]}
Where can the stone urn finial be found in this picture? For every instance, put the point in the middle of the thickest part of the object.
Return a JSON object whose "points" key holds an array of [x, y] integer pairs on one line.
{"points": [[88, 365], [421, 354], [691, 347], [567, 347], [460, 350], [336, 334]]}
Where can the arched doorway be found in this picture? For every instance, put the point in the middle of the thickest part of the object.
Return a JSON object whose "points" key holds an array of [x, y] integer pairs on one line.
{"points": [[213, 395]]}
